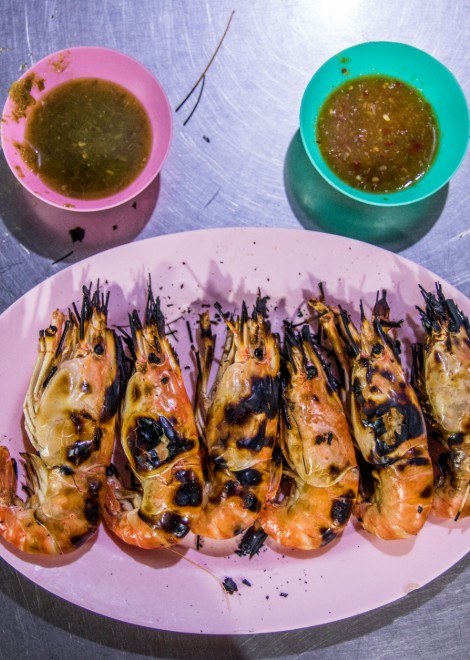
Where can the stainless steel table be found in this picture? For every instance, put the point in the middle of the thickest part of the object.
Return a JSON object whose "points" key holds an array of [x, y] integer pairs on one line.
{"points": [[238, 161]]}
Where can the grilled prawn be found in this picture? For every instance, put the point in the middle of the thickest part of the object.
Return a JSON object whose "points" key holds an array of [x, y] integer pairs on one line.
{"points": [[70, 414], [386, 420], [160, 440], [320, 483], [240, 416], [441, 373]]}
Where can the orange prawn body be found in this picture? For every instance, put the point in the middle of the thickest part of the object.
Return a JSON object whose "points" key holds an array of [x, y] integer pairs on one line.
{"points": [[160, 440], [70, 415], [239, 420], [441, 374], [387, 423], [319, 487]]}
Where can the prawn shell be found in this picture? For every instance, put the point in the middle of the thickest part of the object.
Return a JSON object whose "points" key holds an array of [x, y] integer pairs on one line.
{"points": [[241, 422], [161, 443]]}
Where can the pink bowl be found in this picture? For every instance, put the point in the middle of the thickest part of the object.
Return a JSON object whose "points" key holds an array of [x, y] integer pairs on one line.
{"points": [[91, 62]]}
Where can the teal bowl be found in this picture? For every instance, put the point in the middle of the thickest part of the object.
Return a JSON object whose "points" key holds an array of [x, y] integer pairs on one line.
{"points": [[412, 66]]}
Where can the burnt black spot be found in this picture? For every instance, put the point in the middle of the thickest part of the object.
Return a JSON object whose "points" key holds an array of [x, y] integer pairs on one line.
{"points": [[418, 460], [259, 353], [165, 380], [340, 511], [455, 439], [153, 358], [264, 399], [377, 349], [412, 425], [334, 470], [420, 509], [231, 488], [174, 524], [65, 470], [258, 441], [79, 451], [357, 391], [312, 372], [111, 470], [426, 492], [99, 349], [229, 585], [249, 477], [252, 541], [144, 439], [325, 437], [246, 582], [97, 436], [388, 375], [77, 420], [189, 494], [111, 400], [92, 504], [85, 387], [327, 535], [251, 503]]}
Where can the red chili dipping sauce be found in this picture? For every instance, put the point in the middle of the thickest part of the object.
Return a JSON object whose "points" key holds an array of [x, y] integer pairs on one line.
{"points": [[377, 133]]}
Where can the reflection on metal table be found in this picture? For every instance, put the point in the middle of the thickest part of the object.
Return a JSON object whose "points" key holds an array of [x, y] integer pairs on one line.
{"points": [[238, 161]]}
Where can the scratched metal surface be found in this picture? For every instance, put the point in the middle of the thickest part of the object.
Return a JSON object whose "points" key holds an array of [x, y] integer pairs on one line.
{"points": [[238, 162]]}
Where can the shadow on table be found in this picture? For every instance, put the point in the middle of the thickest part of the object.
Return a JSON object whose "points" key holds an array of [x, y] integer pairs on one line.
{"points": [[134, 639], [317, 205], [53, 232]]}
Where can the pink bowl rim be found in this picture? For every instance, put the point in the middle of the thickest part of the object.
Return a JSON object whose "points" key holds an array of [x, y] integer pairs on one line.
{"points": [[140, 183]]}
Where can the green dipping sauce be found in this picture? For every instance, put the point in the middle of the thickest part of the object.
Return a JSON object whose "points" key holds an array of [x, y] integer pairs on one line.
{"points": [[377, 133], [87, 138]]}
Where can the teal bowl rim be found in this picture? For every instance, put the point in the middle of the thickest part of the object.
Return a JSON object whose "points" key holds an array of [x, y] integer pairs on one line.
{"points": [[329, 176]]}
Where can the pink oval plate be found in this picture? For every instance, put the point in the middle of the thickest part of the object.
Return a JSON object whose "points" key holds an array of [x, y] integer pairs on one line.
{"points": [[91, 62], [162, 589]]}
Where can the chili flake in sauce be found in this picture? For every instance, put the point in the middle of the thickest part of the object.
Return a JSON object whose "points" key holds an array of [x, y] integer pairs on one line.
{"points": [[87, 138], [377, 133]]}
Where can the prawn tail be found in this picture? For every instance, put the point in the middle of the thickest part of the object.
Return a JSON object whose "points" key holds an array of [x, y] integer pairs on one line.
{"points": [[252, 541], [8, 476]]}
